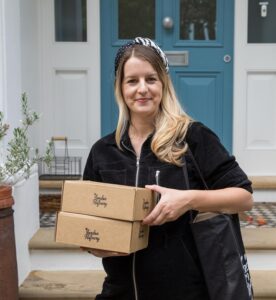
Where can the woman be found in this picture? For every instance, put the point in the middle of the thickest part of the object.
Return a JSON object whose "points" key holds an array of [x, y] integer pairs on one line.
{"points": [[152, 138]]}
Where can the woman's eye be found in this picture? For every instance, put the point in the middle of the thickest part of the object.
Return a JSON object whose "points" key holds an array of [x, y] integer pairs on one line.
{"points": [[151, 79], [131, 81]]}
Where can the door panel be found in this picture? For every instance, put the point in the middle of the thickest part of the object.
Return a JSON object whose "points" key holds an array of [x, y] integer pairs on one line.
{"points": [[201, 28], [200, 90], [69, 77]]}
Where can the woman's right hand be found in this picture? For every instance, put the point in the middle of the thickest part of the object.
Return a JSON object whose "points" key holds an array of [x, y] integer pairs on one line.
{"points": [[102, 253]]}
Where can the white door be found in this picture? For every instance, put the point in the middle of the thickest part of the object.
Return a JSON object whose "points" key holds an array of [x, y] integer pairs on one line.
{"points": [[70, 74], [255, 86]]}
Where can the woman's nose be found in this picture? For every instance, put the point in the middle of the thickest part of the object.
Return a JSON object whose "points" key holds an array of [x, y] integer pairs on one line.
{"points": [[142, 88]]}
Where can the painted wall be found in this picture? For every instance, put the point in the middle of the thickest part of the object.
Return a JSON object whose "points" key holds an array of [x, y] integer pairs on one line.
{"points": [[10, 62], [25, 192], [29, 40], [26, 220]]}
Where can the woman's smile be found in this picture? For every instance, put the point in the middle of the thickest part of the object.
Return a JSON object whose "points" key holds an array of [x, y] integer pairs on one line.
{"points": [[143, 100]]}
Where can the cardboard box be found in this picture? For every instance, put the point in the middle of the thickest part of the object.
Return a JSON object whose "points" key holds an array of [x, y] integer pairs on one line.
{"points": [[107, 200], [101, 233]]}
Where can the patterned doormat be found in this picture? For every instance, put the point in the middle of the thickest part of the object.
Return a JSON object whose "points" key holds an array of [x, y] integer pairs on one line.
{"points": [[263, 214]]}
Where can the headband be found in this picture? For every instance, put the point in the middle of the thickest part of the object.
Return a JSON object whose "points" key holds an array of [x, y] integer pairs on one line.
{"points": [[144, 42]]}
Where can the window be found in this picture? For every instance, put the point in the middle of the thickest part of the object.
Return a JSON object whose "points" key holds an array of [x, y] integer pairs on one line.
{"points": [[136, 18], [70, 21], [198, 19]]}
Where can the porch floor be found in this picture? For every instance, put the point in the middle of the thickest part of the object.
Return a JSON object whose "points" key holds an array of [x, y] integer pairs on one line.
{"points": [[263, 214]]}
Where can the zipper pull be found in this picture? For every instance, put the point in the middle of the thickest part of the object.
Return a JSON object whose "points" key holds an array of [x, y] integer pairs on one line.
{"points": [[137, 171], [137, 161], [157, 195]]}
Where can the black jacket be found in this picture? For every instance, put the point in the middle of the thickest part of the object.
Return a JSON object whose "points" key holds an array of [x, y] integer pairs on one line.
{"points": [[168, 268]]}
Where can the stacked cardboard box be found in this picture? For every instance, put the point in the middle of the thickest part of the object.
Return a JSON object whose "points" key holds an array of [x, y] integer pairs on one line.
{"points": [[104, 216]]}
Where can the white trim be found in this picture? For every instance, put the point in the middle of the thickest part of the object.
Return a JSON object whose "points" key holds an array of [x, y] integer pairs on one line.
{"points": [[56, 260], [3, 81], [261, 259], [26, 220], [264, 196]]}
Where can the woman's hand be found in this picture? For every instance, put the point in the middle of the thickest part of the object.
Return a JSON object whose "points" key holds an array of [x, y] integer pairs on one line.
{"points": [[172, 204], [102, 253]]}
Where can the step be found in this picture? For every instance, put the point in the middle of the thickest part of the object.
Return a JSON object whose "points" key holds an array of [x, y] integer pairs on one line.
{"points": [[62, 285], [254, 239], [263, 182], [258, 182], [260, 244], [66, 272], [86, 284], [51, 184], [264, 188], [259, 238], [46, 254], [264, 284], [50, 191]]}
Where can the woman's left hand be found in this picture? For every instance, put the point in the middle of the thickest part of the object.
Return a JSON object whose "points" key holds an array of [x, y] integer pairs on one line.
{"points": [[172, 204]]}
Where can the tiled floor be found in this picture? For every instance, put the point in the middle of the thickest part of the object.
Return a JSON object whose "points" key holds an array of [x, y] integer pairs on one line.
{"points": [[262, 215], [47, 219]]}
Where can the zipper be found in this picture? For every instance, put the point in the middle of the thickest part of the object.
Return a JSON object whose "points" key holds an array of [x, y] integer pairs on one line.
{"points": [[133, 277], [134, 254], [157, 195], [137, 171]]}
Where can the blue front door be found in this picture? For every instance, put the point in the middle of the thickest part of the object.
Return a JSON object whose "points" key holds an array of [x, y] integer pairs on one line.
{"points": [[197, 36]]}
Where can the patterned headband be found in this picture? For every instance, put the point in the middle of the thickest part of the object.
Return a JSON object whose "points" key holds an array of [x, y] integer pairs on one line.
{"points": [[145, 42]]}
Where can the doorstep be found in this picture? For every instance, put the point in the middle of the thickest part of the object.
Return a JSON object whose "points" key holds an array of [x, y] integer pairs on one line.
{"points": [[87, 284], [62, 285]]}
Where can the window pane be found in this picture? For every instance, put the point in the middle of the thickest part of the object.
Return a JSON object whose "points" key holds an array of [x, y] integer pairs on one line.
{"points": [[70, 20], [261, 22], [198, 19], [136, 18]]}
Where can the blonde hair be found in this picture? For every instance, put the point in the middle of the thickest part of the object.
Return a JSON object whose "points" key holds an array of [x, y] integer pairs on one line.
{"points": [[171, 122]]}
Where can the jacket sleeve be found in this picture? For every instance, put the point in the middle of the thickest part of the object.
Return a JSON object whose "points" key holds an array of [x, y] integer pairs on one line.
{"points": [[218, 167]]}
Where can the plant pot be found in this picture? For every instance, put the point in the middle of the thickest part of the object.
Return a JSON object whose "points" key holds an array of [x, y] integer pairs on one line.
{"points": [[8, 262]]}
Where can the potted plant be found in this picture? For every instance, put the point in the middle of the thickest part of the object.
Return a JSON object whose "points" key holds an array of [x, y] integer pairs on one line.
{"points": [[17, 163]]}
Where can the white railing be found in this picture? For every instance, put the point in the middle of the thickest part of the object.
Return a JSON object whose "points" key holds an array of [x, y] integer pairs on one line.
{"points": [[26, 219]]}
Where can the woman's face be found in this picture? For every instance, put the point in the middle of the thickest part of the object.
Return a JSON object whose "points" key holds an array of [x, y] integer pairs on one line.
{"points": [[141, 88]]}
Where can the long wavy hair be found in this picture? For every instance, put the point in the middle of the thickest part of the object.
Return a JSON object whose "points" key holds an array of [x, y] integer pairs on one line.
{"points": [[171, 122]]}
